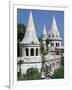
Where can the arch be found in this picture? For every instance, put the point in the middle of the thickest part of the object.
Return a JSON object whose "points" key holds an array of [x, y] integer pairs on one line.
{"points": [[36, 51], [32, 52], [56, 44], [52, 44], [27, 52], [53, 35]]}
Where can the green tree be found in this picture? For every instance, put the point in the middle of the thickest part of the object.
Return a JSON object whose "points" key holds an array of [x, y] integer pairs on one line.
{"points": [[33, 74], [21, 28], [59, 73]]}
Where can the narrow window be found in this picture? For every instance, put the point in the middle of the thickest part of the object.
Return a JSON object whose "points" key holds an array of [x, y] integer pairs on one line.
{"points": [[27, 52], [56, 44], [52, 44], [32, 52], [37, 52], [53, 35]]}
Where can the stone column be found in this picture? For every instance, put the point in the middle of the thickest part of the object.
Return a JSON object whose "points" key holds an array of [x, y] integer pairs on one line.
{"points": [[34, 51], [29, 51]]}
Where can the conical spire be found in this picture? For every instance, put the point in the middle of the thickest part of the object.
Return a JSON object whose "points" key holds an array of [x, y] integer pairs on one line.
{"points": [[54, 25], [44, 33], [30, 34], [44, 30], [30, 26]]}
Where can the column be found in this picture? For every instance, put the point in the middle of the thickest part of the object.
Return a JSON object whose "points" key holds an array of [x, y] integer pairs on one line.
{"points": [[29, 51], [23, 51], [34, 51]]}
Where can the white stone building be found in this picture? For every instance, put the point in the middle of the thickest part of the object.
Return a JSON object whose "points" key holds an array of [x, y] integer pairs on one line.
{"points": [[30, 47], [54, 45]]}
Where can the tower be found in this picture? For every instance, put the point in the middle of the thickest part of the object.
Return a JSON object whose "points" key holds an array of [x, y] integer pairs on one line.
{"points": [[54, 36], [44, 37], [30, 47]]}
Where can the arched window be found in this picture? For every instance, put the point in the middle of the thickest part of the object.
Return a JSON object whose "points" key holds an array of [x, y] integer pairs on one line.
{"points": [[37, 52], [27, 52], [56, 44], [53, 35], [52, 44], [32, 52]]}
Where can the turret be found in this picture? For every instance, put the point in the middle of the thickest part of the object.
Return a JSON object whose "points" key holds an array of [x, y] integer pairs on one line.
{"points": [[44, 36]]}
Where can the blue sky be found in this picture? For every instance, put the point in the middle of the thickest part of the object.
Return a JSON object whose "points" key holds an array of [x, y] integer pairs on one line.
{"points": [[41, 18]]}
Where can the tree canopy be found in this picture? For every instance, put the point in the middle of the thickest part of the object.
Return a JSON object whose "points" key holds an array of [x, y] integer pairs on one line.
{"points": [[31, 74], [21, 28], [59, 73]]}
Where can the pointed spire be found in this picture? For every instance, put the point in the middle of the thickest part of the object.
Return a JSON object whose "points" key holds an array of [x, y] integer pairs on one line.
{"points": [[30, 26], [54, 25], [44, 30], [30, 34], [44, 33]]}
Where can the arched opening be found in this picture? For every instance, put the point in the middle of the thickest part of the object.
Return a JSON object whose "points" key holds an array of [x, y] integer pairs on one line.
{"points": [[56, 44], [37, 52], [53, 35], [52, 44], [32, 52], [27, 52]]}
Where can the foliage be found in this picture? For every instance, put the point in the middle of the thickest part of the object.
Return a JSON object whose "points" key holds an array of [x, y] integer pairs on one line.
{"points": [[31, 74], [62, 61], [59, 73], [19, 76], [21, 28]]}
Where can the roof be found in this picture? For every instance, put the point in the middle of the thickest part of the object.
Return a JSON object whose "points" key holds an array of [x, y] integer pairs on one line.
{"points": [[54, 33], [30, 34]]}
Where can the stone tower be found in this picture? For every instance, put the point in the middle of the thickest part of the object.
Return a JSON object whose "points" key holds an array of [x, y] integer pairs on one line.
{"points": [[54, 36], [30, 47]]}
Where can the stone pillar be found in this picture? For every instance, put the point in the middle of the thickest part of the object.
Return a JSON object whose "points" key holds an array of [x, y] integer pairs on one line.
{"points": [[34, 51], [29, 51]]}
